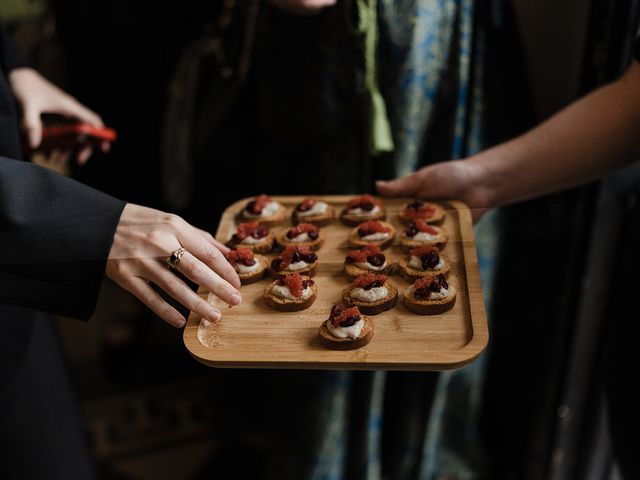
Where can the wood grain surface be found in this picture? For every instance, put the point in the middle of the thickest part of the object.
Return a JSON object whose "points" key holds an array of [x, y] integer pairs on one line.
{"points": [[253, 335]]}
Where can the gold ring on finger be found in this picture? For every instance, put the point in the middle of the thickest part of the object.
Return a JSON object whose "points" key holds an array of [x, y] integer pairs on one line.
{"points": [[174, 259]]}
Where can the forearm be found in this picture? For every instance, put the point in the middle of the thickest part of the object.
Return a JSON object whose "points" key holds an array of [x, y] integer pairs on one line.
{"points": [[588, 139]]}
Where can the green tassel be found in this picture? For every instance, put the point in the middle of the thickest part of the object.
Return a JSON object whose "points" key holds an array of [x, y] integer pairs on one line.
{"points": [[380, 137]]}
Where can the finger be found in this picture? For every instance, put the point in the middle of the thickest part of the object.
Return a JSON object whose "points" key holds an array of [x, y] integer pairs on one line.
{"points": [[141, 289], [32, 125], [179, 290], [317, 3], [223, 248], [210, 255], [38, 157], [75, 109], [54, 156], [400, 187], [105, 147], [65, 155], [84, 155], [61, 160], [209, 238], [204, 276]]}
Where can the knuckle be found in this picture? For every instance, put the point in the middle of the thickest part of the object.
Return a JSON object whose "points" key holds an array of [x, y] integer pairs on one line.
{"points": [[156, 237], [198, 305], [223, 290], [212, 254], [173, 285], [165, 311], [198, 270], [116, 268], [174, 221]]}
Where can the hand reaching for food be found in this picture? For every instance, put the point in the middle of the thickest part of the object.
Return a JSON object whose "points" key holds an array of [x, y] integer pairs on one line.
{"points": [[148, 244]]}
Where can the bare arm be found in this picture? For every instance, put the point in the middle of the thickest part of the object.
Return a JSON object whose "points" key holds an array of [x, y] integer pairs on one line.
{"points": [[591, 137]]}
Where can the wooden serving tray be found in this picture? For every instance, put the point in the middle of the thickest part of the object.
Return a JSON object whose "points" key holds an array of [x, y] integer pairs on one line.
{"points": [[253, 335]]}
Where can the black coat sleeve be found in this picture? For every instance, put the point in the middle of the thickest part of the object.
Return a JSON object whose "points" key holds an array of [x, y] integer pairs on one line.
{"points": [[55, 236], [10, 56]]}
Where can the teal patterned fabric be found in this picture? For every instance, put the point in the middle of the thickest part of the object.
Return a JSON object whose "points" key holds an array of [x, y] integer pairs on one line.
{"points": [[428, 50]]}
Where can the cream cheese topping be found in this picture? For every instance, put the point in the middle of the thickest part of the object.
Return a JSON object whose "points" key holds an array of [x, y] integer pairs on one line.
{"points": [[360, 211], [424, 237], [295, 266], [269, 209], [282, 291], [302, 237], [368, 266], [435, 295], [249, 240], [353, 331], [241, 268], [371, 295], [438, 295], [376, 236], [318, 209]]}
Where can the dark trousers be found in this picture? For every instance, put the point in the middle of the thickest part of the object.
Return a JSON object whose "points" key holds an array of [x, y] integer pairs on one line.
{"points": [[40, 432]]}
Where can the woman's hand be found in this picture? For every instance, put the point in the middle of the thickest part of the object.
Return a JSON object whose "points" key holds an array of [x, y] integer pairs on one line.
{"points": [[303, 7], [458, 179], [36, 95], [144, 239]]}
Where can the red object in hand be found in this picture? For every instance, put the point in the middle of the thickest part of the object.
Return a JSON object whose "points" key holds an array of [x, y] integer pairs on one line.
{"points": [[72, 136]]}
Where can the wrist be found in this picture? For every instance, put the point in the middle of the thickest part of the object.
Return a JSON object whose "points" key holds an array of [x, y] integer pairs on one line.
{"points": [[21, 73], [482, 191], [473, 182]]}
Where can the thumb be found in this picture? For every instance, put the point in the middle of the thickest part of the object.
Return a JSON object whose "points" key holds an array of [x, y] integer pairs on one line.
{"points": [[32, 124], [400, 187]]}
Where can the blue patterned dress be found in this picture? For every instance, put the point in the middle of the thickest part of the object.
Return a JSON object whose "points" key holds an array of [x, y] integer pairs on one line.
{"points": [[307, 81]]}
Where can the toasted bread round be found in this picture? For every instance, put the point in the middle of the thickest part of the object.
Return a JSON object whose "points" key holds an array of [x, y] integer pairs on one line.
{"points": [[283, 241], [263, 246], [356, 241], [352, 271], [440, 241], [256, 275], [310, 271], [429, 307], [411, 274], [436, 219], [371, 308], [268, 221], [335, 343], [286, 305], [355, 220], [318, 220]]}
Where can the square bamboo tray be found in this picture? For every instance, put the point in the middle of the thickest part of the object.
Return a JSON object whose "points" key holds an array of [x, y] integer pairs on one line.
{"points": [[252, 335]]}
